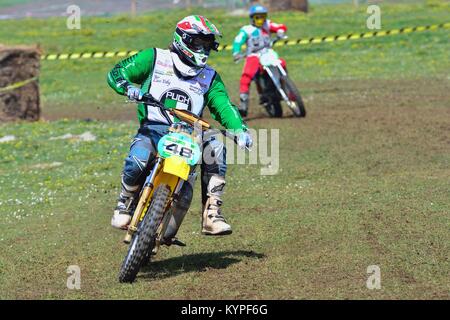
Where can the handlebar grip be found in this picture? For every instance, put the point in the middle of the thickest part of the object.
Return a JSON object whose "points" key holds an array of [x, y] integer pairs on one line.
{"points": [[148, 99], [230, 136]]}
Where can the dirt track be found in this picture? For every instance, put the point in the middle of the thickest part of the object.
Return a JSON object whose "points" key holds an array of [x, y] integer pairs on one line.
{"points": [[321, 99], [363, 180]]}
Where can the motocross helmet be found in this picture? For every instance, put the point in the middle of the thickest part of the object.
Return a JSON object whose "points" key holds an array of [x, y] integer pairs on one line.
{"points": [[193, 40], [258, 15]]}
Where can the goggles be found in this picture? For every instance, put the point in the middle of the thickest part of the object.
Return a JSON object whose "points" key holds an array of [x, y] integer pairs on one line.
{"points": [[259, 16], [207, 44], [199, 43]]}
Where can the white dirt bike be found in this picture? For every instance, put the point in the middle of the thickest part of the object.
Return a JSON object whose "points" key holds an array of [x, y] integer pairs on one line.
{"points": [[274, 84]]}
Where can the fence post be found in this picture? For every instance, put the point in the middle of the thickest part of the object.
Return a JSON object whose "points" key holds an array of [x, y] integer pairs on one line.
{"points": [[133, 8]]}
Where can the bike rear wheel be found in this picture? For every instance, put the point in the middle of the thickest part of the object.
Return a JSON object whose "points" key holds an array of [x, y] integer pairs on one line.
{"points": [[144, 238], [294, 95]]}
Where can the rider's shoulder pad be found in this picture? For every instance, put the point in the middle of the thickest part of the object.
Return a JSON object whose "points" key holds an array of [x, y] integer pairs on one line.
{"points": [[248, 29]]}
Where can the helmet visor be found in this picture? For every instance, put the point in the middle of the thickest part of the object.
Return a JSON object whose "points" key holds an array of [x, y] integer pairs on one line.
{"points": [[202, 43], [199, 43]]}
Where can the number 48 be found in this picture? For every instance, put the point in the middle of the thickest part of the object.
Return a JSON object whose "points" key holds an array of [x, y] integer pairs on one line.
{"points": [[184, 151]]}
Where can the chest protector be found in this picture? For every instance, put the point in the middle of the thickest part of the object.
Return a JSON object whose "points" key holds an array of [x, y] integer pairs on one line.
{"points": [[176, 92], [257, 38]]}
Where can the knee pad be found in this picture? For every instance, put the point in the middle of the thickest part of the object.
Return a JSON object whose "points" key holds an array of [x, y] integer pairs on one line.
{"points": [[134, 167], [214, 158]]}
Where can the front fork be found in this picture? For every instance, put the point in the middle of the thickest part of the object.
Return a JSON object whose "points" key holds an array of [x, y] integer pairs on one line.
{"points": [[143, 201], [277, 83]]}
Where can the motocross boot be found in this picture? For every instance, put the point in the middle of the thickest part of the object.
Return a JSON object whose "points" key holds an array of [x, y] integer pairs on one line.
{"points": [[124, 209], [213, 222], [243, 106]]}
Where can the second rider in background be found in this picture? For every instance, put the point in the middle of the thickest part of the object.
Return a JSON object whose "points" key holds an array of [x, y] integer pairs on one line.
{"points": [[256, 36]]}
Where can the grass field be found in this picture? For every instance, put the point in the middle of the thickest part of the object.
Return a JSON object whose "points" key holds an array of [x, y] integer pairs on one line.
{"points": [[9, 3], [364, 179]]}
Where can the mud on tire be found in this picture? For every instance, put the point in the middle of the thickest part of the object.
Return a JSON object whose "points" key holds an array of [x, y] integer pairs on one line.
{"points": [[144, 238]]}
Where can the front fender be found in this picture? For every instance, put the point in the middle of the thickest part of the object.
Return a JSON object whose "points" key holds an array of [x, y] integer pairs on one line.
{"points": [[177, 166]]}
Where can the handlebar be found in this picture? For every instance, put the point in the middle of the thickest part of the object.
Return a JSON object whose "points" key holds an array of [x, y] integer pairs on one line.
{"points": [[276, 39], [148, 99], [188, 117], [272, 43], [184, 115]]}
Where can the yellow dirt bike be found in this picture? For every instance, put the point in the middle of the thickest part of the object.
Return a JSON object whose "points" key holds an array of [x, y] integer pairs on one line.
{"points": [[179, 152]]}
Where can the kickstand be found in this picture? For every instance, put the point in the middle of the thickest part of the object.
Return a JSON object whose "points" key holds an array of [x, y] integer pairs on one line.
{"points": [[179, 243], [173, 241]]}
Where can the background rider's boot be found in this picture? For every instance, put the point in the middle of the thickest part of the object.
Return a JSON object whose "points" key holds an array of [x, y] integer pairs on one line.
{"points": [[243, 106], [213, 222]]}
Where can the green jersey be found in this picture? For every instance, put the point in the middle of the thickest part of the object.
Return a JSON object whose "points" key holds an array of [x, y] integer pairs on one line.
{"points": [[153, 70]]}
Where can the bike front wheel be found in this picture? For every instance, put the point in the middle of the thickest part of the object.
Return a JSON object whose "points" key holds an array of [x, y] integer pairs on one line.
{"points": [[298, 109], [144, 238]]}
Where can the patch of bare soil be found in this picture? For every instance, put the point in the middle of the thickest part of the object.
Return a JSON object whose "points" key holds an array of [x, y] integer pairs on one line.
{"points": [[323, 100], [122, 112], [19, 67]]}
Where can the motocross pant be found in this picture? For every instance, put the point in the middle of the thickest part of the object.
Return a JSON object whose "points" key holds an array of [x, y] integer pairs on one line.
{"points": [[251, 68], [144, 149]]}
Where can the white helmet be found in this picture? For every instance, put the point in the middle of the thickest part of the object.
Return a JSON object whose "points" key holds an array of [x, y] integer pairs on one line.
{"points": [[193, 40]]}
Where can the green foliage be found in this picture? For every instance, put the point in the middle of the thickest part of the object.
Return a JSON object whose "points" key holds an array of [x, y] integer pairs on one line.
{"points": [[8, 3], [83, 82], [363, 179]]}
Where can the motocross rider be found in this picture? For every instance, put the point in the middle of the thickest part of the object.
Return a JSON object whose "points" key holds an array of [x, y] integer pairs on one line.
{"points": [[179, 78], [256, 36]]}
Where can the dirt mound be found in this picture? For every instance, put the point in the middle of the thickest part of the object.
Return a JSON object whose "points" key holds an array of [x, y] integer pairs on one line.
{"points": [[19, 88], [301, 5]]}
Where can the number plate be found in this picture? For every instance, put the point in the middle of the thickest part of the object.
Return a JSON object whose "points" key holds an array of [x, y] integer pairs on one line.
{"points": [[176, 144], [269, 58]]}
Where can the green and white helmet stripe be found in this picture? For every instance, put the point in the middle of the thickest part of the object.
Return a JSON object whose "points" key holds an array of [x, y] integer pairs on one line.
{"points": [[192, 26], [212, 28]]}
